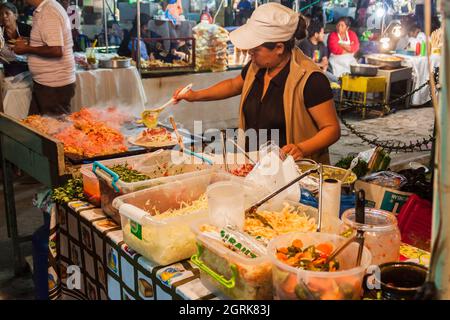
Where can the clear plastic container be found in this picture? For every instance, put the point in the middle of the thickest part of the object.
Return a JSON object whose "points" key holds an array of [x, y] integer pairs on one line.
{"points": [[382, 235], [162, 166], [226, 204], [291, 283], [91, 187], [231, 275], [168, 240]]}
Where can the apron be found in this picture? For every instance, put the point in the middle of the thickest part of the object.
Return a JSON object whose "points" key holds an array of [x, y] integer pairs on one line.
{"points": [[341, 63]]}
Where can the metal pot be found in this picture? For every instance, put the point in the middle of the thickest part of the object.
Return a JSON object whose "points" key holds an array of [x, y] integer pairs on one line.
{"points": [[384, 61], [115, 63], [364, 70]]}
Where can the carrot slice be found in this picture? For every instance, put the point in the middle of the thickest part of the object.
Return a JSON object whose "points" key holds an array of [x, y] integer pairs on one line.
{"points": [[283, 250], [325, 248], [281, 256], [297, 244]]}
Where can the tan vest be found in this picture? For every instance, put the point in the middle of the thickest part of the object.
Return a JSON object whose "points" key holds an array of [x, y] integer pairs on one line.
{"points": [[300, 126]]}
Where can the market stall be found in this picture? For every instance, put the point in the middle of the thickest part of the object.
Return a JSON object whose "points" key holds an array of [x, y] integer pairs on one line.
{"points": [[137, 257]]}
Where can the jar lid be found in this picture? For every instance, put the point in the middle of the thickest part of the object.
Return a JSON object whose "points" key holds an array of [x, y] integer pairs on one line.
{"points": [[375, 220]]}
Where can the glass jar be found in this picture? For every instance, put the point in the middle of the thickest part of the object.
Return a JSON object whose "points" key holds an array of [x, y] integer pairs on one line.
{"points": [[381, 233]]}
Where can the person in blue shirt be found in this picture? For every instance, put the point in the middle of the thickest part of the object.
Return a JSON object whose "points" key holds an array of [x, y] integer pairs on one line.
{"points": [[126, 47], [245, 10]]}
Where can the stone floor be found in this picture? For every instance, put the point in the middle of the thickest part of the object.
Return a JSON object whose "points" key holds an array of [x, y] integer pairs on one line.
{"points": [[404, 125]]}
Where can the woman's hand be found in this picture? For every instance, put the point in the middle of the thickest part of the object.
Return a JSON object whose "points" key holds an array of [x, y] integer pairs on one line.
{"points": [[21, 46], [294, 151], [188, 96]]}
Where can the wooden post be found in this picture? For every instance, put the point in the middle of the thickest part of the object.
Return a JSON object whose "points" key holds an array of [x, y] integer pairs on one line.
{"points": [[440, 262]]}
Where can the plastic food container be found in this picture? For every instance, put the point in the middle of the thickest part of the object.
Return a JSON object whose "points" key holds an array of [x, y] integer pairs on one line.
{"points": [[168, 240], [162, 167], [291, 283], [229, 274], [91, 187], [382, 235]]}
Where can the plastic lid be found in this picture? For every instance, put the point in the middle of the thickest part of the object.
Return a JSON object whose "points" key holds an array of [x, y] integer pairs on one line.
{"points": [[375, 220]]}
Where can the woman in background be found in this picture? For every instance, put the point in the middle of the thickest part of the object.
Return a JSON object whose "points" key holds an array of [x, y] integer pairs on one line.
{"points": [[342, 45], [13, 30]]}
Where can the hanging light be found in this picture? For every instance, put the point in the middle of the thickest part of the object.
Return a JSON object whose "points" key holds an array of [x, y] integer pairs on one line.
{"points": [[380, 12], [385, 42]]}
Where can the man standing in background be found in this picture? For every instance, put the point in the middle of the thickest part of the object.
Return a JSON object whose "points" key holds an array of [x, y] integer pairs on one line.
{"points": [[50, 59], [315, 48]]}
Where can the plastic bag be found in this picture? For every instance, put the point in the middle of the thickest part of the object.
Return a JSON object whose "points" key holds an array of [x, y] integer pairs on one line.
{"points": [[272, 173], [386, 179]]}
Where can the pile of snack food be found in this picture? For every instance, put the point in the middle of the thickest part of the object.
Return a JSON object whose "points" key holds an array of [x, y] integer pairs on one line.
{"points": [[211, 47]]}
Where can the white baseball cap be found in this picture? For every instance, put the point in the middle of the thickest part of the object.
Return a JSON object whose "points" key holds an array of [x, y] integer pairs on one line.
{"points": [[270, 22]]}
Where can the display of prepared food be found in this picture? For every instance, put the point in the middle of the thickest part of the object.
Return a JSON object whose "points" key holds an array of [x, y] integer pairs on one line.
{"points": [[87, 133], [311, 258], [155, 221], [211, 47], [307, 277], [232, 265], [290, 218], [155, 137], [140, 172], [329, 172]]}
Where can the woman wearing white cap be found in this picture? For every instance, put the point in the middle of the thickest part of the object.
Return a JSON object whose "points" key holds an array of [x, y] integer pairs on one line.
{"points": [[280, 88]]}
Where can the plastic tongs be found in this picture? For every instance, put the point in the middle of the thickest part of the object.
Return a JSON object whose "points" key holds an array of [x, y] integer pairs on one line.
{"points": [[353, 164], [359, 237], [181, 144], [242, 150], [251, 212]]}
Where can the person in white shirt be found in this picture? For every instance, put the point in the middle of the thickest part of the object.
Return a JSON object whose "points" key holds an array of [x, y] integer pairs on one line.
{"points": [[416, 35], [50, 58]]}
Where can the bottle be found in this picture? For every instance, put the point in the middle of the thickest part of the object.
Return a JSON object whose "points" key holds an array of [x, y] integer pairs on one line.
{"points": [[418, 49], [423, 51]]}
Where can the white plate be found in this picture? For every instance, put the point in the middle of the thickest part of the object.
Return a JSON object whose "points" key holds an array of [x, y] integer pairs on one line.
{"points": [[153, 144]]}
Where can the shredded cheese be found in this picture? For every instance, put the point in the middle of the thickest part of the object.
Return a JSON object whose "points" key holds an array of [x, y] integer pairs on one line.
{"points": [[185, 208], [289, 219]]}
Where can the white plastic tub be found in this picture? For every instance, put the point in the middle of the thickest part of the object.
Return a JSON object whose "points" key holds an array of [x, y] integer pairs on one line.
{"points": [[229, 274], [158, 165], [346, 284], [168, 240]]}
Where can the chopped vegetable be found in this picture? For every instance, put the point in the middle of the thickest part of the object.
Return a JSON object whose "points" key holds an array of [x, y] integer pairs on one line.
{"points": [[71, 191], [312, 258], [127, 174]]}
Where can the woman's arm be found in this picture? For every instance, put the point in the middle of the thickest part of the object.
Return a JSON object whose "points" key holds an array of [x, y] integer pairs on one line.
{"points": [[354, 41], [222, 90], [326, 119], [333, 44]]}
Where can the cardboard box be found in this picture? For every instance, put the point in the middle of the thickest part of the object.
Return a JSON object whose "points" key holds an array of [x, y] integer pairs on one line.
{"points": [[383, 198]]}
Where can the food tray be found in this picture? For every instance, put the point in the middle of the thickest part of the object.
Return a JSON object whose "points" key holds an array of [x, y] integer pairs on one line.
{"points": [[384, 61], [291, 283], [165, 241], [114, 63], [111, 186], [227, 273]]}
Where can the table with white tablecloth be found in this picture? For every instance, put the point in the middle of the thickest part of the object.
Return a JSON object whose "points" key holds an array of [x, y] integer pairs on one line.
{"points": [[420, 75], [101, 87]]}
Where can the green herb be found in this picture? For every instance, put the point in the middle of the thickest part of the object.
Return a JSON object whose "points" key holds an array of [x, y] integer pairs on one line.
{"points": [[360, 169], [127, 174], [71, 191]]}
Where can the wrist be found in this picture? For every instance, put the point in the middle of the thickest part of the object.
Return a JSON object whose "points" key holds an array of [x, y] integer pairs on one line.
{"points": [[28, 49], [299, 146]]}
